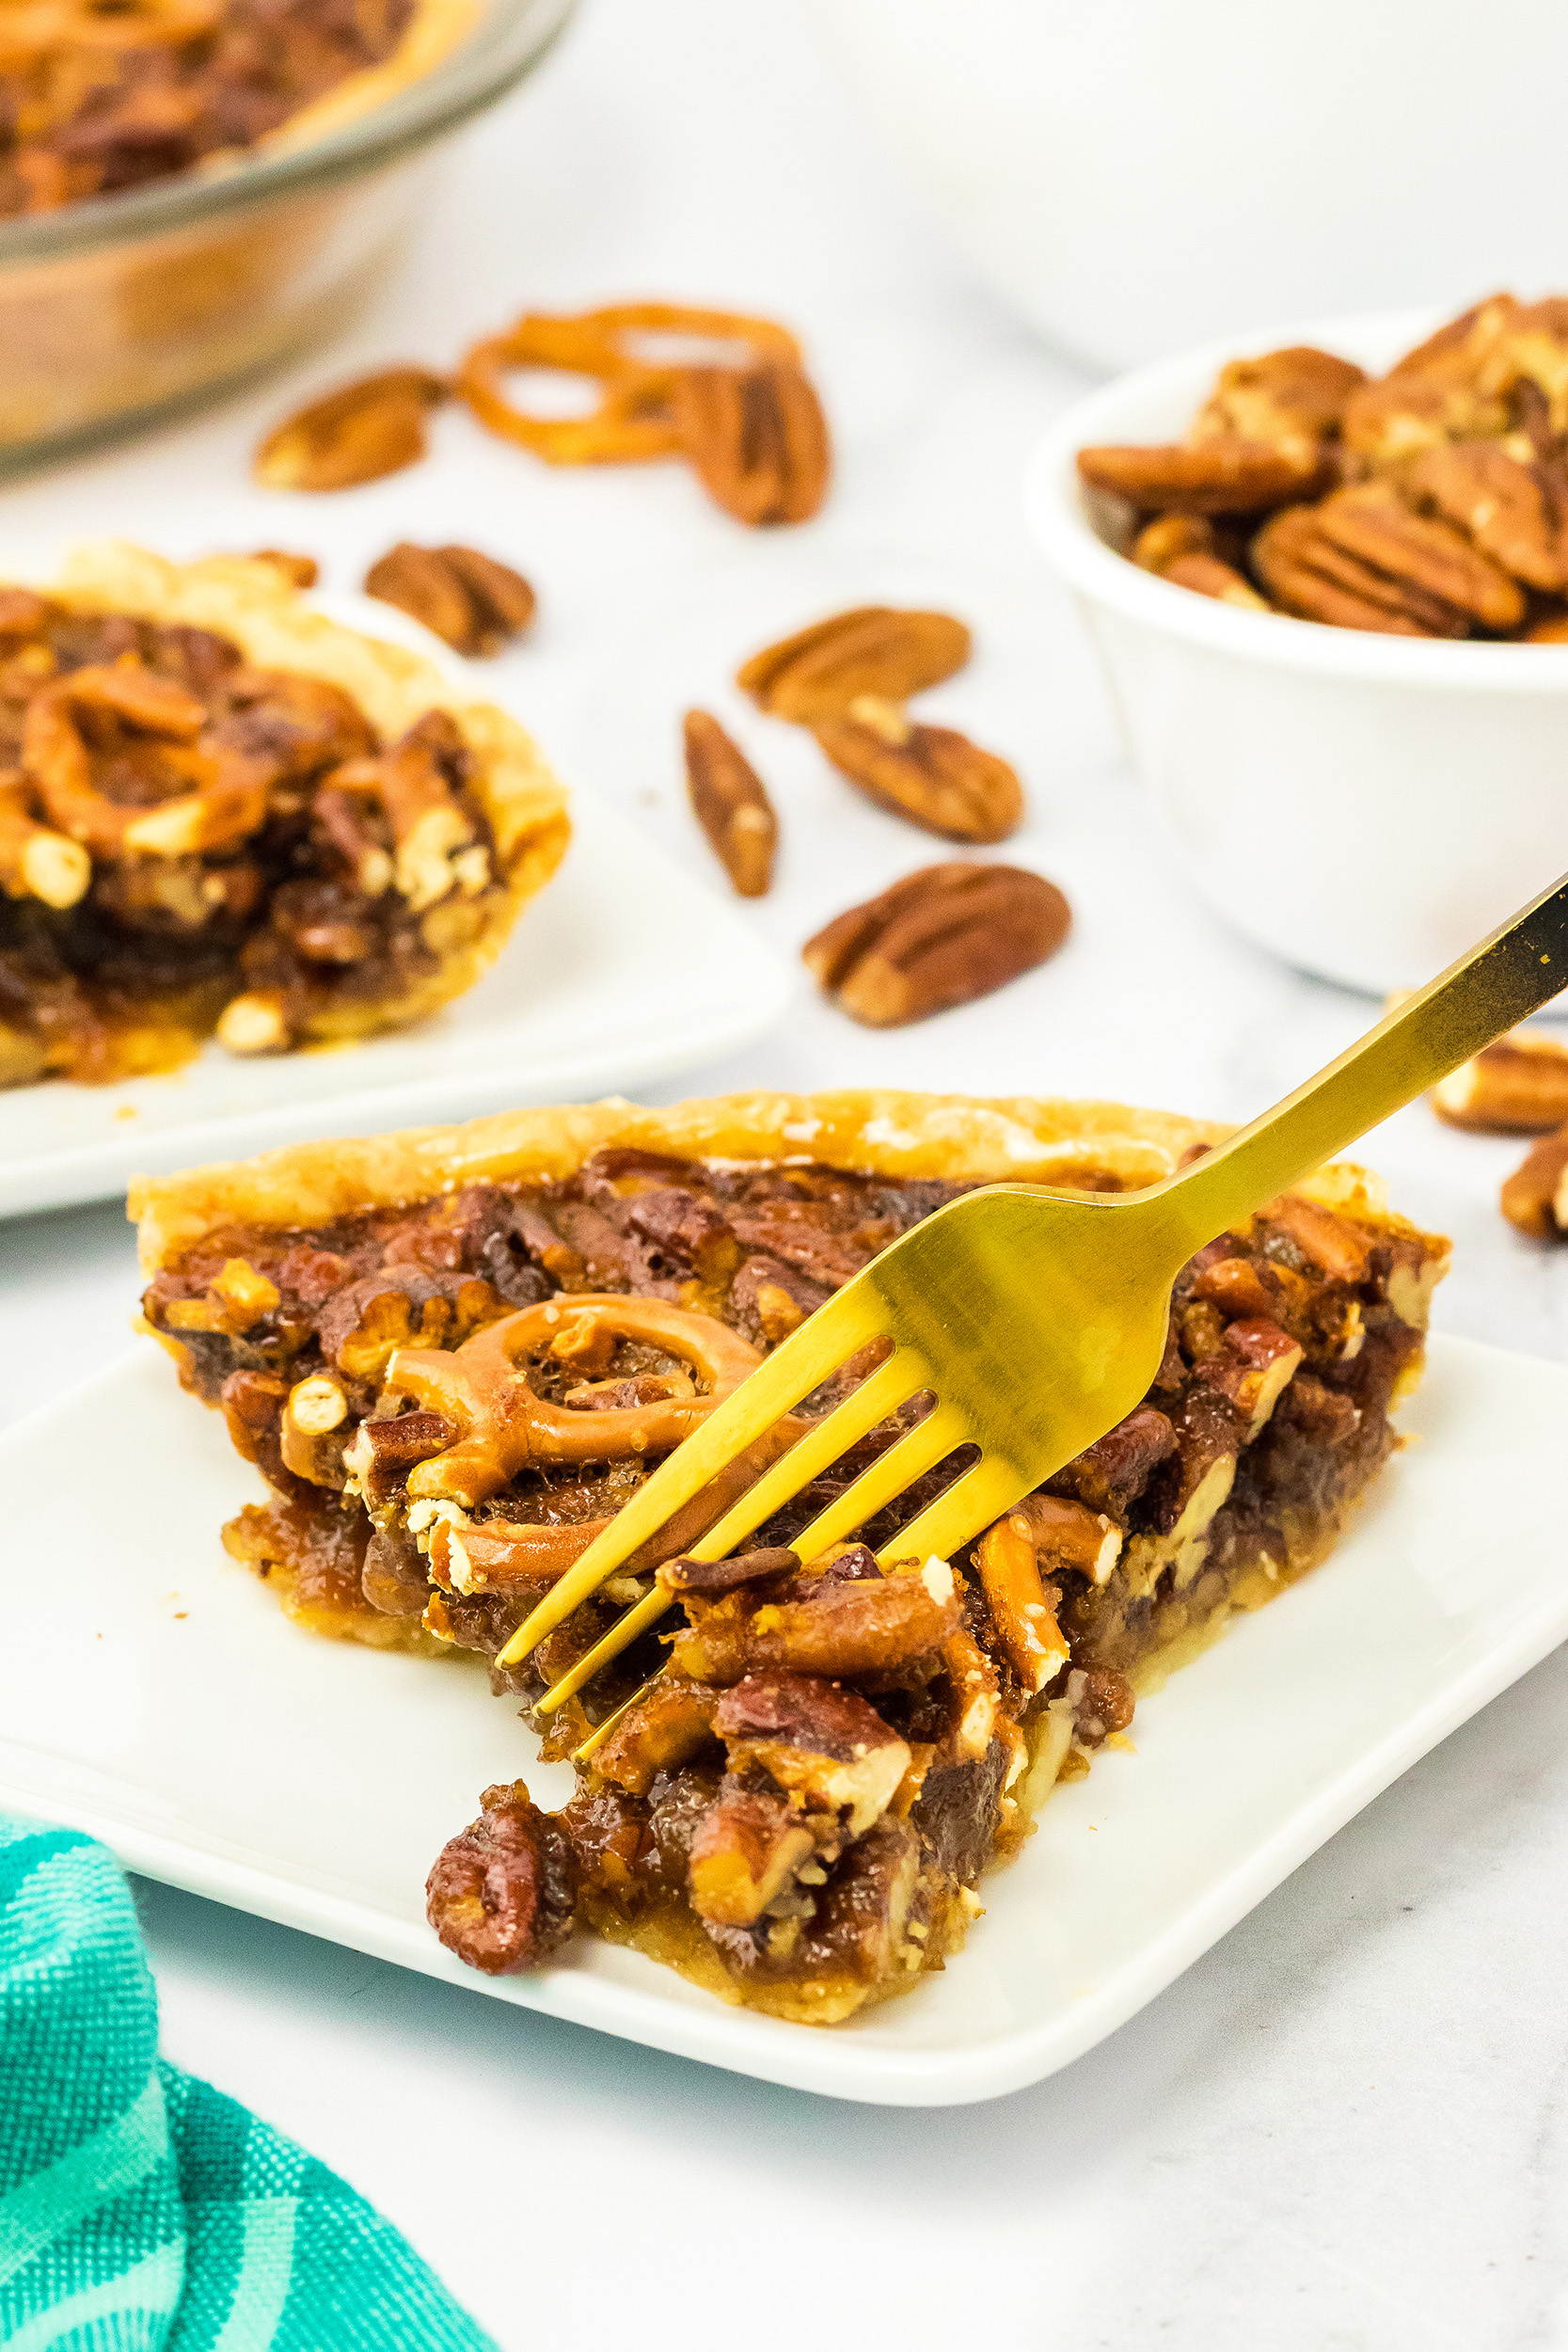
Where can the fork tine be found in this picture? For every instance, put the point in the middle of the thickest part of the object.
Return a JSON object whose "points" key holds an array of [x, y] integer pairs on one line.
{"points": [[892, 1471], [986, 1489], [901, 1376], [796, 1366]]}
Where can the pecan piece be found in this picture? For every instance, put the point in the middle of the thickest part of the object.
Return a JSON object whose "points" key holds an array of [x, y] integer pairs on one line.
{"points": [[731, 804], [820, 671], [941, 937], [756, 440], [824, 1746], [1518, 1086], [1307, 574], [503, 1892], [933, 776], [1535, 1197], [1180, 549], [301, 571], [1501, 503], [746, 1852], [373, 426], [1222, 476], [1290, 400], [1372, 523], [473, 603], [875, 1625]]}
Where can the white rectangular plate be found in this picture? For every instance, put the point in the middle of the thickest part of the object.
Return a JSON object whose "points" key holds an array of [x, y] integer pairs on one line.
{"points": [[152, 1692], [623, 969]]}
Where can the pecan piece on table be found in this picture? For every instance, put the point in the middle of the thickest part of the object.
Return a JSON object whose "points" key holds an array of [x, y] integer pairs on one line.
{"points": [[730, 801], [502, 1894], [818, 672], [373, 426], [933, 776], [1517, 1087], [1180, 549], [473, 603], [941, 937], [1535, 1197], [756, 440]]}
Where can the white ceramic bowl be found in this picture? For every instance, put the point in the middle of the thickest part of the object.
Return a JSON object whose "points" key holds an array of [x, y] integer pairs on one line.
{"points": [[1364, 806], [1132, 177]]}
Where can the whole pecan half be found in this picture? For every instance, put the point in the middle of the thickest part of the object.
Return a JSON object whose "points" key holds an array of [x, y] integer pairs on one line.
{"points": [[875, 649], [1226, 475], [940, 937], [756, 438], [731, 804], [1307, 574], [933, 776], [1290, 400], [1373, 523], [371, 427], [1535, 1198], [476, 604], [1504, 506]]}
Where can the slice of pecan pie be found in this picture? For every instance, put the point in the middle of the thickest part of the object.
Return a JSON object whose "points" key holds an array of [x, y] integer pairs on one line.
{"points": [[221, 811], [455, 1354]]}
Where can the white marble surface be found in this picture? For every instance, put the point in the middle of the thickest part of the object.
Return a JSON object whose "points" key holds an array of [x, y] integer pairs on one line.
{"points": [[1348, 2125]]}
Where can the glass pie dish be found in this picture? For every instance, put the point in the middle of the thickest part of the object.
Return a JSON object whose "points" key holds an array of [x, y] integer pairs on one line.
{"points": [[117, 307]]}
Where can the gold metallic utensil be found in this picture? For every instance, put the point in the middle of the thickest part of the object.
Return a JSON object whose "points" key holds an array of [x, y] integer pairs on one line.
{"points": [[1038, 1322]]}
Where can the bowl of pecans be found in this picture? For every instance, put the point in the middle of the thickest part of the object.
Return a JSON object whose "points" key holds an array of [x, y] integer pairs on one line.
{"points": [[1326, 570]]}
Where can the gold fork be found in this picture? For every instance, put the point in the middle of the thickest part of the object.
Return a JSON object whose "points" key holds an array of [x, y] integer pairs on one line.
{"points": [[1038, 1321]]}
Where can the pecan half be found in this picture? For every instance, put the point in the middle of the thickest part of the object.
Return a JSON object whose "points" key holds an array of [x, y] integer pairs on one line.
{"points": [[371, 427], [1290, 400], [502, 1894], [1535, 1197], [1501, 503], [730, 801], [468, 599], [1372, 523], [756, 440], [1180, 549], [302, 571], [875, 649], [1518, 1086], [933, 776], [1307, 574], [941, 937], [1222, 476]]}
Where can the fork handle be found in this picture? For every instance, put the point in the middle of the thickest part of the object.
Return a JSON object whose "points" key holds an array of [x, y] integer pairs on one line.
{"points": [[1521, 967]]}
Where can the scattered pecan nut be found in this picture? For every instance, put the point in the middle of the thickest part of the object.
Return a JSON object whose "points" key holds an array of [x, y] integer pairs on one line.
{"points": [[756, 440], [468, 599], [932, 775], [371, 427], [1535, 1197], [1518, 1086], [731, 804], [817, 672], [941, 937]]}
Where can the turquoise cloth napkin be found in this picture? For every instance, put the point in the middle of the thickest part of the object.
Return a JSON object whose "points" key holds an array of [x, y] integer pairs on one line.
{"points": [[141, 2211]]}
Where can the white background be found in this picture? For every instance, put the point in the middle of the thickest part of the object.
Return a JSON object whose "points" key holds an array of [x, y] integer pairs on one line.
{"points": [[1346, 2127]]}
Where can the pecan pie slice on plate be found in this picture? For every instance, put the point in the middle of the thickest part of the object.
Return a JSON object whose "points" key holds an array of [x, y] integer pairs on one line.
{"points": [[454, 1353], [222, 812]]}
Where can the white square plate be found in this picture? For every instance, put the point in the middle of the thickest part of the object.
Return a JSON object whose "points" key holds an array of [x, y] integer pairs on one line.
{"points": [[152, 1692]]}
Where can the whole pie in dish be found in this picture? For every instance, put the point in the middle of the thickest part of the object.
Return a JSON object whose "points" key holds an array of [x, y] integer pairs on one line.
{"points": [[100, 95], [222, 812], [453, 1354]]}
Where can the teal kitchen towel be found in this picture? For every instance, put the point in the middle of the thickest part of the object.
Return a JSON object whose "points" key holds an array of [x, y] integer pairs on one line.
{"points": [[141, 2211]]}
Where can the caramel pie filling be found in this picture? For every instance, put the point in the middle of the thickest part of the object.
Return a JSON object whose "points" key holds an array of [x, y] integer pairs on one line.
{"points": [[449, 1400], [190, 843]]}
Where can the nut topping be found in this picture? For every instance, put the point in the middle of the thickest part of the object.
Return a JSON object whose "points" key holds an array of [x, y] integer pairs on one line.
{"points": [[503, 1892], [1517, 1087], [824, 1746], [820, 671], [371, 427], [731, 804], [941, 937], [473, 603]]}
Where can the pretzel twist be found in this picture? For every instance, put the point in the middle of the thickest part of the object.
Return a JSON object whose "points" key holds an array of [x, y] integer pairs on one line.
{"points": [[634, 419], [504, 1426], [226, 806]]}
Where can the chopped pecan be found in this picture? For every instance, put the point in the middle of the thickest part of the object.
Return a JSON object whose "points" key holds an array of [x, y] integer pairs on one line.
{"points": [[468, 599], [870, 1625], [1252, 1367], [663, 1729], [1102, 1703], [817, 672], [941, 937], [823, 1745], [756, 440], [731, 804], [1221, 476], [1518, 1086], [1535, 1197], [301, 571], [1111, 1475], [744, 1854], [1326, 1241], [503, 1892], [36, 861], [370, 427], [933, 776]]}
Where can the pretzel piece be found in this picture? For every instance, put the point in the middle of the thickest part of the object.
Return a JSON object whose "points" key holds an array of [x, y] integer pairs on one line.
{"points": [[34, 861], [226, 807], [505, 1425]]}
